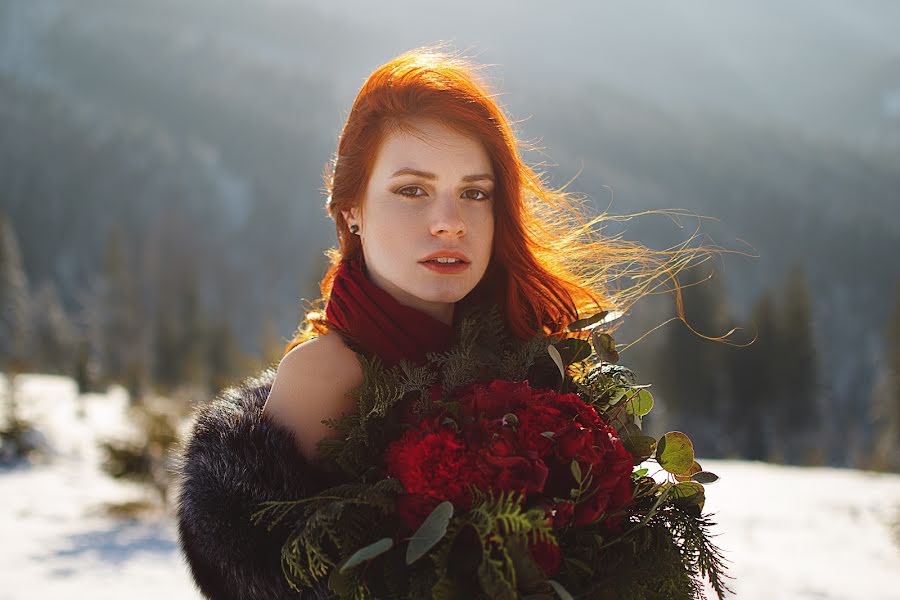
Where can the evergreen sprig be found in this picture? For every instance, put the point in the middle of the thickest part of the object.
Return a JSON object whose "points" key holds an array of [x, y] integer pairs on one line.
{"points": [[663, 553]]}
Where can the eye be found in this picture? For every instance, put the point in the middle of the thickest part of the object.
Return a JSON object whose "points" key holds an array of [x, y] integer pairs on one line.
{"points": [[485, 196], [402, 191]]}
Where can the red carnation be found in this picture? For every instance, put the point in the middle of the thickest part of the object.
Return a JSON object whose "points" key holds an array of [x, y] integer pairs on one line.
{"points": [[432, 466]]}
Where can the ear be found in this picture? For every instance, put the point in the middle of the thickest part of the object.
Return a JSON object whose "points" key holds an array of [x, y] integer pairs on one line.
{"points": [[351, 216]]}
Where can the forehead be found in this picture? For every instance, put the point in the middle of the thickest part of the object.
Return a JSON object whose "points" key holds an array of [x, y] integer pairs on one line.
{"points": [[429, 145]]}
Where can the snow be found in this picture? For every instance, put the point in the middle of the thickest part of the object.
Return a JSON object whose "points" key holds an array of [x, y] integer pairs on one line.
{"points": [[789, 532]]}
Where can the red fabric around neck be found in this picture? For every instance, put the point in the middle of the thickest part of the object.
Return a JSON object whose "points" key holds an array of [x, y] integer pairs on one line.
{"points": [[379, 324]]}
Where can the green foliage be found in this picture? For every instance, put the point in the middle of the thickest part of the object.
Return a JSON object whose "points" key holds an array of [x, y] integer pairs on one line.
{"points": [[498, 529], [331, 527], [483, 552], [432, 530]]}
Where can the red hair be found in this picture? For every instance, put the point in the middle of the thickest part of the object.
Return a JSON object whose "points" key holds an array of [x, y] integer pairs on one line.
{"points": [[551, 266]]}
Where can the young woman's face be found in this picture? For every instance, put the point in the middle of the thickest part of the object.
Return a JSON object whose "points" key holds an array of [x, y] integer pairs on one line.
{"points": [[430, 195]]}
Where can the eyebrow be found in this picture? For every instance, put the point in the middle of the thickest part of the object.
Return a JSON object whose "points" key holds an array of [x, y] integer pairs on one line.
{"points": [[427, 175]]}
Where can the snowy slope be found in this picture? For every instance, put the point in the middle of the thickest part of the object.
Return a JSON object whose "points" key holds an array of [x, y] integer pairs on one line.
{"points": [[791, 533]]}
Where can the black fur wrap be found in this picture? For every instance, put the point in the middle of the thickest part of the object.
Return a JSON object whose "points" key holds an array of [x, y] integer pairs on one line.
{"points": [[232, 461]]}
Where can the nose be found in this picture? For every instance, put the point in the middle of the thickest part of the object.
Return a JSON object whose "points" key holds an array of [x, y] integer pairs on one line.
{"points": [[447, 218]]}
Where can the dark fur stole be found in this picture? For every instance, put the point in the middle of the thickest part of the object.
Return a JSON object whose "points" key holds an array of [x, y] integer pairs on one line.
{"points": [[232, 461]]}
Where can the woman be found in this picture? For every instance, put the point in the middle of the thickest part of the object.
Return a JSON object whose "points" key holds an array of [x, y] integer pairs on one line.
{"points": [[434, 210]]}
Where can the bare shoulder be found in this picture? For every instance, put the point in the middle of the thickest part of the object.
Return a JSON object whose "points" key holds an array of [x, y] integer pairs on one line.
{"points": [[325, 355], [311, 384]]}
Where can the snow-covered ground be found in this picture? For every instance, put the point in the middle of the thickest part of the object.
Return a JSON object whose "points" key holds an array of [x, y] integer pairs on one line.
{"points": [[790, 533]]}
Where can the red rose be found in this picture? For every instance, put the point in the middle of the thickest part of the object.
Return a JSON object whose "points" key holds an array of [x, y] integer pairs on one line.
{"points": [[495, 399], [503, 442], [562, 513], [533, 422], [572, 441], [514, 473], [546, 555]]}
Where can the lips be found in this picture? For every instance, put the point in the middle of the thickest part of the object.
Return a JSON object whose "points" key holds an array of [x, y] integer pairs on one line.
{"points": [[446, 254]]}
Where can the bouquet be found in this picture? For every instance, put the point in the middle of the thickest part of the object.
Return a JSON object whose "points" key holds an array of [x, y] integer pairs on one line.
{"points": [[504, 469]]}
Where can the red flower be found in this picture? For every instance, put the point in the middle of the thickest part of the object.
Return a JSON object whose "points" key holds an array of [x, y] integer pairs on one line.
{"points": [[495, 399], [546, 555], [432, 466], [514, 473], [562, 513], [493, 451], [534, 421]]}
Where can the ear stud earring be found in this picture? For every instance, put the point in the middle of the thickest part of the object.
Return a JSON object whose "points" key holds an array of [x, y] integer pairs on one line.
{"points": [[354, 228]]}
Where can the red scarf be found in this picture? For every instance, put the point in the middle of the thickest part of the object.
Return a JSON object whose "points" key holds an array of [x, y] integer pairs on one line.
{"points": [[379, 324]]}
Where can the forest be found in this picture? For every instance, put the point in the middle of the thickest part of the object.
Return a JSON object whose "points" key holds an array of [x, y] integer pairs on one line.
{"points": [[162, 226]]}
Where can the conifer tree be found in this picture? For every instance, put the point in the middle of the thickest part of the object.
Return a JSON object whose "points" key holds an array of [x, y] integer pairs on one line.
{"points": [[885, 409], [797, 416], [753, 375], [55, 340], [181, 348], [15, 317], [226, 360], [121, 305], [692, 371]]}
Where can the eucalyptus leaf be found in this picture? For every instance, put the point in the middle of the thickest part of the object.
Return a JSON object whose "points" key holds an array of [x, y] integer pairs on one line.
{"points": [[432, 530], [688, 493], [554, 354], [573, 350], [687, 475], [586, 322], [368, 553], [705, 477], [617, 394], [340, 583], [640, 403], [604, 346], [560, 590], [576, 471], [675, 453], [641, 447], [601, 318]]}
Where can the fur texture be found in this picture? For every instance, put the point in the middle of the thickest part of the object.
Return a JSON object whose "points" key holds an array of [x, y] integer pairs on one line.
{"points": [[232, 461]]}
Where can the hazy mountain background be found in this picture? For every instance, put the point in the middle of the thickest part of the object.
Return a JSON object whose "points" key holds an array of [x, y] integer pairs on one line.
{"points": [[172, 153]]}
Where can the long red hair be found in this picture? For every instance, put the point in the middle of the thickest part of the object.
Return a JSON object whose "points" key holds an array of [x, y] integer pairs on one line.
{"points": [[552, 266]]}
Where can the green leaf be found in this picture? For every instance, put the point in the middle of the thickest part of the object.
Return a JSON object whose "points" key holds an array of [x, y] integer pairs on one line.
{"points": [[573, 350], [641, 472], [675, 453], [705, 477], [604, 346], [548, 434], [688, 475], [640, 403], [641, 447], [587, 321], [560, 590], [368, 553], [576, 471], [601, 318], [339, 583], [688, 493], [430, 532], [617, 394], [554, 354]]}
